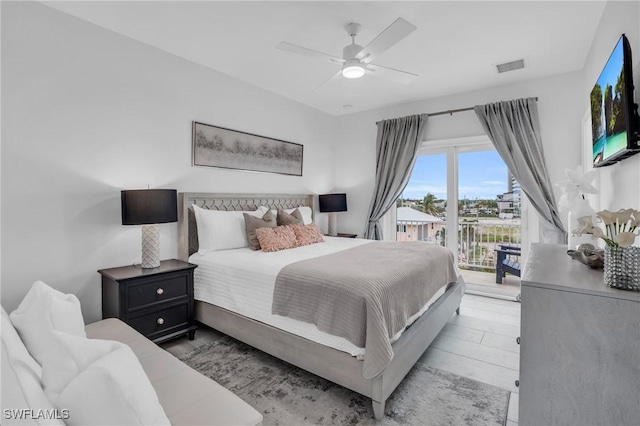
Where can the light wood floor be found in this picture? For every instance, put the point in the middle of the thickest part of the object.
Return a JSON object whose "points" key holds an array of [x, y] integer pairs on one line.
{"points": [[480, 343], [484, 284]]}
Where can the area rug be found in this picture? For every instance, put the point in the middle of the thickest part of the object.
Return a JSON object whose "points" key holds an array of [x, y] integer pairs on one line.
{"points": [[287, 395]]}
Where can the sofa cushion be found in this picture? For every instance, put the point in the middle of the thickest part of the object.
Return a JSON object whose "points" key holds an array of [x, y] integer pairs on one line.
{"points": [[101, 382], [188, 397], [192, 397], [42, 310]]}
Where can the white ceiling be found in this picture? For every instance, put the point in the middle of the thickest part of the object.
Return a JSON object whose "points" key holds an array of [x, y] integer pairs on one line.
{"points": [[455, 48]]}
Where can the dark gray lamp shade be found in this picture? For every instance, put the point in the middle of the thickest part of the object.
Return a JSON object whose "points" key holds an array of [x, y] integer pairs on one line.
{"points": [[149, 206], [333, 203]]}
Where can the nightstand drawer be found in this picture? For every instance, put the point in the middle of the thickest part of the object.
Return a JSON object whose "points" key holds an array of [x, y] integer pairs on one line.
{"points": [[140, 297], [160, 320], [158, 290]]}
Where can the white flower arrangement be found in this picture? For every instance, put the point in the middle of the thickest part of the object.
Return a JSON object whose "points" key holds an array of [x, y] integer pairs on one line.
{"points": [[576, 186], [621, 227]]}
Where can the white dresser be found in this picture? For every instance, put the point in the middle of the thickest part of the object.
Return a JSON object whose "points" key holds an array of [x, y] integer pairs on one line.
{"points": [[580, 345]]}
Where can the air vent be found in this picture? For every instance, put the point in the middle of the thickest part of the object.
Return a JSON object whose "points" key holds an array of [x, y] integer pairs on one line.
{"points": [[510, 66]]}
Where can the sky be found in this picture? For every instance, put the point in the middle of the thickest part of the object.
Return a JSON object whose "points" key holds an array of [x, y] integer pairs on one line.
{"points": [[612, 70], [481, 175]]}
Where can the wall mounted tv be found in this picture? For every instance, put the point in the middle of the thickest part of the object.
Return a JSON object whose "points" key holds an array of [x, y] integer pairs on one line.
{"points": [[615, 125]]}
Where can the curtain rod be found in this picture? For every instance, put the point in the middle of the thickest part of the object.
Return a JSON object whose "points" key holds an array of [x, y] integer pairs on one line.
{"points": [[450, 111]]}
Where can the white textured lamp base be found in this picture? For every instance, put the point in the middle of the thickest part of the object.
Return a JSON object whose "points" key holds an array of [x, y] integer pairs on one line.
{"points": [[333, 224], [150, 246]]}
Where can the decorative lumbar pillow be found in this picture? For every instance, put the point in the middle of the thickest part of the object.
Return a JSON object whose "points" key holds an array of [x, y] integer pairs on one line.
{"points": [[307, 234], [305, 212], [293, 218], [222, 230], [251, 223], [43, 310], [278, 238], [100, 382]]}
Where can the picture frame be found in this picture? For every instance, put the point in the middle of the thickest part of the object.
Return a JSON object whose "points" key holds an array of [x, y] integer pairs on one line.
{"points": [[214, 146]]}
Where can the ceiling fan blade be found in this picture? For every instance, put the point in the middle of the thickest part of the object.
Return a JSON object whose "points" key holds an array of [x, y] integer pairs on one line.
{"points": [[307, 52], [403, 77], [387, 38], [336, 76]]}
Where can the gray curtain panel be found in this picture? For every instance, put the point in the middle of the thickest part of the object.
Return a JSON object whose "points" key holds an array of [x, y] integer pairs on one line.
{"points": [[514, 128], [397, 144]]}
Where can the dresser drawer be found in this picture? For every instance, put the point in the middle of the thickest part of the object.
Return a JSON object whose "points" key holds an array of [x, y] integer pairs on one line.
{"points": [[159, 290], [161, 320]]}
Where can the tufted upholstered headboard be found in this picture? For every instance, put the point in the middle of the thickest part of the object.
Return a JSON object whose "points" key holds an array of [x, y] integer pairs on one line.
{"points": [[187, 230]]}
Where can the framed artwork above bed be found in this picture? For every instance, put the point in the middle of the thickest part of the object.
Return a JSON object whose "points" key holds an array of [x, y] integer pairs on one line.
{"points": [[214, 146]]}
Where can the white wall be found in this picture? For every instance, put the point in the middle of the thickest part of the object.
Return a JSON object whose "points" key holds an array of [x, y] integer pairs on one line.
{"points": [[86, 113], [618, 183], [563, 102], [559, 105]]}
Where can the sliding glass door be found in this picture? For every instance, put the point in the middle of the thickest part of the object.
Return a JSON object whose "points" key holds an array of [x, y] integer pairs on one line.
{"points": [[462, 196]]}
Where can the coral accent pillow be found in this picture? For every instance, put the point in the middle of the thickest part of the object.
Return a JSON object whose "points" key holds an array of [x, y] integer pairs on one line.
{"points": [[307, 234], [278, 238]]}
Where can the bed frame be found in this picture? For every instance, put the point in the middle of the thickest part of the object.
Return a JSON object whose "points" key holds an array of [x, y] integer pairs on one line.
{"points": [[331, 364]]}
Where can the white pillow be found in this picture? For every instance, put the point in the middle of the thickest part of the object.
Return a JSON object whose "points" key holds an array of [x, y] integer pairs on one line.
{"points": [[221, 230], [21, 390], [21, 374], [100, 382], [16, 349], [305, 211], [42, 310]]}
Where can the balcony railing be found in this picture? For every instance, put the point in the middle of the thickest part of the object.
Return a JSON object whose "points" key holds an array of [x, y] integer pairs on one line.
{"points": [[477, 241]]}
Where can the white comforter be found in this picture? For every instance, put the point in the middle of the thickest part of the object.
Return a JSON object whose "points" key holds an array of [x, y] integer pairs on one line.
{"points": [[242, 281]]}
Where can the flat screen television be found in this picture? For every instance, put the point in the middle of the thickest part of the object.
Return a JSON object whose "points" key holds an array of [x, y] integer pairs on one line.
{"points": [[614, 115]]}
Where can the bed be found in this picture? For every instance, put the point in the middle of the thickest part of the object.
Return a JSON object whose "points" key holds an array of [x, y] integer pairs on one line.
{"points": [[333, 359]]}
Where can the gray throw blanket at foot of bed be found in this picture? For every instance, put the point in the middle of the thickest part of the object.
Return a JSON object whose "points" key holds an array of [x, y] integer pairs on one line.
{"points": [[365, 294]]}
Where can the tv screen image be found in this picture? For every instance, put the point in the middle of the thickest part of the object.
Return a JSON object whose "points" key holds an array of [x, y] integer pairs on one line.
{"points": [[612, 109], [608, 110]]}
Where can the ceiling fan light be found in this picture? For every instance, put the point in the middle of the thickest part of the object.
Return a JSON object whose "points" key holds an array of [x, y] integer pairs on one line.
{"points": [[353, 71]]}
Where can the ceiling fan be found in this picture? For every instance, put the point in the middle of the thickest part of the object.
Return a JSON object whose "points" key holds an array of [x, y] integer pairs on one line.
{"points": [[356, 60]]}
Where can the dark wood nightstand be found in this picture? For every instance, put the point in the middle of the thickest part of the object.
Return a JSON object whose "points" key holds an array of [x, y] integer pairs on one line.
{"points": [[157, 302]]}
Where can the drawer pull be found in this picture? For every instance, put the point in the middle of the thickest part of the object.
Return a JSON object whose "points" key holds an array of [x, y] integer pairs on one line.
{"points": [[160, 291], [517, 383], [518, 340], [160, 321]]}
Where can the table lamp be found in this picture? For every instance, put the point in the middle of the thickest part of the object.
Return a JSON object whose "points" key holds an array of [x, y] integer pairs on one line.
{"points": [[149, 207], [333, 203]]}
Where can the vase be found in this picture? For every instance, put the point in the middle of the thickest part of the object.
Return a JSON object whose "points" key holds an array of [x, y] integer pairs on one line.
{"points": [[622, 267]]}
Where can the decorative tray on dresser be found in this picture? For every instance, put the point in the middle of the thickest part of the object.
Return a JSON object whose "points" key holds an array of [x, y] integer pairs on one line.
{"points": [[157, 302], [580, 344]]}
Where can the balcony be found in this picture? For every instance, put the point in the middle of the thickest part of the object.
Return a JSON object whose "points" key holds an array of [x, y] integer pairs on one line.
{"points": [[477, 244]]}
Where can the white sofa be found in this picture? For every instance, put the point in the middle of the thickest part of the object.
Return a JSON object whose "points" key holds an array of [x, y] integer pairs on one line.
{"points": [[187, 397]]}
